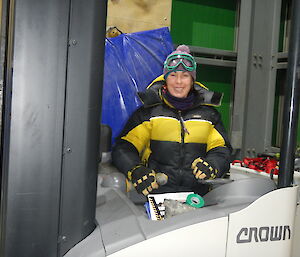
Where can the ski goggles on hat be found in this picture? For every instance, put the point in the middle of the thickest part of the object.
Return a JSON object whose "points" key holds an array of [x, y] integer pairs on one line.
{"points": [[175, 60]]}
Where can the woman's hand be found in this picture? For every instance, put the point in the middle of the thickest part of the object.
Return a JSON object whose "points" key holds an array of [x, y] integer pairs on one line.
{"points": [[203, 170], [143, 179]]}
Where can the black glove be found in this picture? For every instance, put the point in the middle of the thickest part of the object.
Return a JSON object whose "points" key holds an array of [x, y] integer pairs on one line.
{"points": [[203, 170], [143, 179]]}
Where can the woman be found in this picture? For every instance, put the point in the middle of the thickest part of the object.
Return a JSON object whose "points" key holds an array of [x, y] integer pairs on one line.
{"points": [[177, 131]]}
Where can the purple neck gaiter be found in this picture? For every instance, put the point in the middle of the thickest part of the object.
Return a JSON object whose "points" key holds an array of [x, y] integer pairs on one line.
{"points": [[179, 103]]}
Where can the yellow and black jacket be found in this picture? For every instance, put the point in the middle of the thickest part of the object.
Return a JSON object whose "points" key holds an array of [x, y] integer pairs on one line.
{"points": [[168, 140]]}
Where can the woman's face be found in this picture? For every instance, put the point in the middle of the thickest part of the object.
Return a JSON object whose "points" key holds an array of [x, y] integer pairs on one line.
{"points": [[179, 83]]}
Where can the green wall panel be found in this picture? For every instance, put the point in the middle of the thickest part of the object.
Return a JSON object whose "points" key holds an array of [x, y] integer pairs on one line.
{"points": [[281, 79], [278, 116], [282, 32], [298, 135], [218, 79], [204, 23], [208, 24]]}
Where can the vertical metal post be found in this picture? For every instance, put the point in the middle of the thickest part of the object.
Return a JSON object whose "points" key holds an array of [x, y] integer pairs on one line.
{"points": [[244, 36], [51, 126], [33, 127], [82, 120], [261, 77], [291, 102]]}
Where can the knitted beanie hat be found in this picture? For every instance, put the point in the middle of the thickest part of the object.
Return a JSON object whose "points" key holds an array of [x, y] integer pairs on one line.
{"points": [[180, 60]]}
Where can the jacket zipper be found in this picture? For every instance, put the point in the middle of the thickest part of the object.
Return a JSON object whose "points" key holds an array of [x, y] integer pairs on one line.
{"points": [[183, 131]]}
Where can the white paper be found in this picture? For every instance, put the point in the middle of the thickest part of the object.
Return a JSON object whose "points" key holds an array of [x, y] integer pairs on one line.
{"points": [[157, 209]]}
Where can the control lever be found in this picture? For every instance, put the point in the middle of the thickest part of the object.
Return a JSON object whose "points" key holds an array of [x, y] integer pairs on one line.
{"points": [[161, 178], [216, 181]]}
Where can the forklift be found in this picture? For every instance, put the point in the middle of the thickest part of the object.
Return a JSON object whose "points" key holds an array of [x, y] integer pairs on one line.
{"points": [[52, 201]]}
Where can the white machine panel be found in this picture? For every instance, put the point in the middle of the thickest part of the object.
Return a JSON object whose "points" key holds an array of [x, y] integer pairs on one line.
{"points": [[264, 228], [206, 239]]}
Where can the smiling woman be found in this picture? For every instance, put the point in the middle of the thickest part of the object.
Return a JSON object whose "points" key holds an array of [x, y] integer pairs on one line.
{"points": [[177, 131], [179, 84]]}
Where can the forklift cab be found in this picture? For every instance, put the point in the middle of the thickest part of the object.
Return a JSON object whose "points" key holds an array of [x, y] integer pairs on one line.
{"points": [[232, 215]]}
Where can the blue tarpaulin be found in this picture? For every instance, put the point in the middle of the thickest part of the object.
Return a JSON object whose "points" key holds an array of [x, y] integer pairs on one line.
{"points": [[131, 62]]}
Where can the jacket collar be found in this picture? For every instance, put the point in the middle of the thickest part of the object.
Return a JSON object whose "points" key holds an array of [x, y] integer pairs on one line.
{"points": [[152, 95]]}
